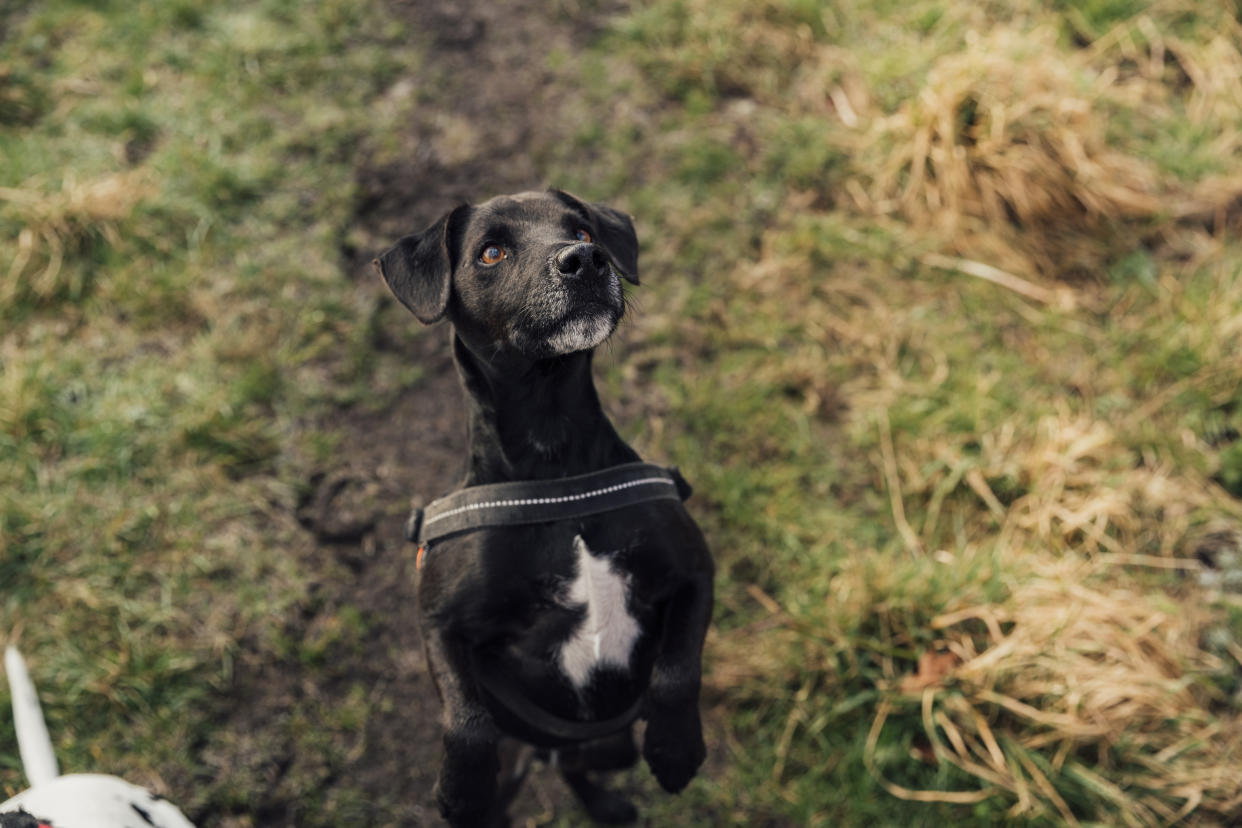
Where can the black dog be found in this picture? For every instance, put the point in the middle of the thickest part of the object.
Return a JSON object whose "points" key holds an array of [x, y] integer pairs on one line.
{"points": [[562, 631]]}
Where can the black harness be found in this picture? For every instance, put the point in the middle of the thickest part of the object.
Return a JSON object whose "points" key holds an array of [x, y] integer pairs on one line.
{"points": [[543, 501]]}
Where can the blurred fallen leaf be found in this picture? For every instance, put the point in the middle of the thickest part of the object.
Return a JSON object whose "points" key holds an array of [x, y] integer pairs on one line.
{"points": [[932, 667]]}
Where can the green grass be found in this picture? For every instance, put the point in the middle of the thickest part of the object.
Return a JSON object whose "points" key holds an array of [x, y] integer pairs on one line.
{"points": [[810, 330], [164, 362], [179, 326]]}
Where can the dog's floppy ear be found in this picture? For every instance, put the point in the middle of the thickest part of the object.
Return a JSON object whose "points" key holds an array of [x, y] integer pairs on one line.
{"points": [[617, 236], [614, 231], [419, 267]]}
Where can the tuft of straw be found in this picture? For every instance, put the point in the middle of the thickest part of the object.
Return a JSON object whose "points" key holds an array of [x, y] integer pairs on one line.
{"points": [[1076, 497], [1006, 155], [1088, 693], [1008, 139], [55, 223]]}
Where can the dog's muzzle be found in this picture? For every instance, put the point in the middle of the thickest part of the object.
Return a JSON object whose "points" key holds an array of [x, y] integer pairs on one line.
{"points": [[579, 304]]}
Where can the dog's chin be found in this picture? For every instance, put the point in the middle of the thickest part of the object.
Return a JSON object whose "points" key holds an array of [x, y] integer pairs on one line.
{"points": [[582, 333], [565, 317]]}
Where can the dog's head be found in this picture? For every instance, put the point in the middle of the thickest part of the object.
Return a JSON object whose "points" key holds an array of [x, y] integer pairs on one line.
{"points": [[537, 273]]}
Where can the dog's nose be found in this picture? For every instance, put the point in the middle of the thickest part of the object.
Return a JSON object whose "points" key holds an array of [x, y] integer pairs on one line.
{"points": [[580, 261]]}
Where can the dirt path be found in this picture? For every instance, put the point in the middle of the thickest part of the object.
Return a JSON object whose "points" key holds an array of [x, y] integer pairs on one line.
{"points": [[487, 105]]}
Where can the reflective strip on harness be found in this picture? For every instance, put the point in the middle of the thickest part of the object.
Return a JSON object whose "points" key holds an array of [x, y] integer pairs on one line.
{"points": [[540, 501]]}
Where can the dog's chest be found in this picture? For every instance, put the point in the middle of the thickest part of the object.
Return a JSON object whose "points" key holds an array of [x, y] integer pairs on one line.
{"points": [[608, 631]]}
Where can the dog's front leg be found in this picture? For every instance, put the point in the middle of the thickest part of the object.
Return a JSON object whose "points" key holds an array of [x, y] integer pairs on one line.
{"points": [[466, 787], [673, 745]]}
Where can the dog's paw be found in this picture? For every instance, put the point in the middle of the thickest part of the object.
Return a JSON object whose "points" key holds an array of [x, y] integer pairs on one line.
{"points": [[674, 750], [468, 812], [466, 789], [612, 808], [605, 807]]}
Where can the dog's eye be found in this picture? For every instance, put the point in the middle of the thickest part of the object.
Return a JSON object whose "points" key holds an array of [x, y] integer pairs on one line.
{"points": [[491, 254], [583, 236]]}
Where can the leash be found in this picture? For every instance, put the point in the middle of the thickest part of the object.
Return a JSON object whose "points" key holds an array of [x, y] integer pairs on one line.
{"points": [[544, 501]]}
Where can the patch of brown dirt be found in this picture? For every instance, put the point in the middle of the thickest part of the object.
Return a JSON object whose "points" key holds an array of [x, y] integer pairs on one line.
{"points": [[377, 767], [498, 107]]}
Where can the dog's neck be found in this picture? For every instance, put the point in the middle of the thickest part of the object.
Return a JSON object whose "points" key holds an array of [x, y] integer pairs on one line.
{"points": [[534, 419]]}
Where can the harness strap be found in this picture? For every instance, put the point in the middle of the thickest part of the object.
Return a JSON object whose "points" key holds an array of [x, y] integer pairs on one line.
{"points": [[549, 729], [542, 501]]}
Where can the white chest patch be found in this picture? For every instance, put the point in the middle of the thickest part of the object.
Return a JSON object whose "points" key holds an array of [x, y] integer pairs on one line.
{"points": [[608, 632]]}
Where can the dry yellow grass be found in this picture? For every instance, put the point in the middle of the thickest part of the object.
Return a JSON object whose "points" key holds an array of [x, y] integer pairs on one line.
{"points": [[54, 221], [1070, 664], [1005, 154], [1089, 687], [1079, 660]]}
